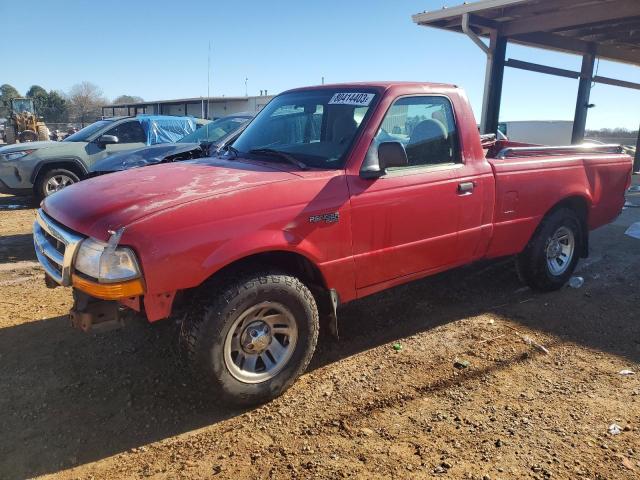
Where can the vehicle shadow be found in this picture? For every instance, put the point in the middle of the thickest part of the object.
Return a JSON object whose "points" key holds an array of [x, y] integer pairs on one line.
{"points": [[15, 202], [69, 399], [17, 248]]}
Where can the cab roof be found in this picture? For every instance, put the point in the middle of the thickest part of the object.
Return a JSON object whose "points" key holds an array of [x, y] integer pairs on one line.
{"points": [[381, 86]]}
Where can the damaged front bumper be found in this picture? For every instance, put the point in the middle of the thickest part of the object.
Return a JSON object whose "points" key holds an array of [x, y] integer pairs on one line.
{"points": [[91, 314]]}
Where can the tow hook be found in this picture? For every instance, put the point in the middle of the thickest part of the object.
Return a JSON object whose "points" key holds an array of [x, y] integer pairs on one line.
{"points": [[90, 314]]}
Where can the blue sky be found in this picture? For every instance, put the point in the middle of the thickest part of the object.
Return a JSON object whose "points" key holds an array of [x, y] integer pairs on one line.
{"points": [[158, 50]]}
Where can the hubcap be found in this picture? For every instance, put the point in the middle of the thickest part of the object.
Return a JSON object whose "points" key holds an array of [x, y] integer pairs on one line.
{"points": [[260, 342], [57, 182], [560, 249]]}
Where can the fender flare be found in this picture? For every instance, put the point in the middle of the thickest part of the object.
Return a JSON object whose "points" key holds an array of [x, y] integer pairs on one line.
{"points": [[264, 241], [66, 159]]}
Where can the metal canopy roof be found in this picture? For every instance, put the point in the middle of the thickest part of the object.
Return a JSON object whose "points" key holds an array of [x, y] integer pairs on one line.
{"points": [[610, 29]]}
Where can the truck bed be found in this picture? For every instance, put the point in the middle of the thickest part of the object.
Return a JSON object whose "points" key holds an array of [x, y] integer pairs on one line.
{"points": [[526, 191]]}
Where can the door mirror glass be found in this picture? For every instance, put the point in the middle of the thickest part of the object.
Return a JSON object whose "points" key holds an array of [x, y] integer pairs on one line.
{"points": [[386, 155], [107, 139], [392, 154]]}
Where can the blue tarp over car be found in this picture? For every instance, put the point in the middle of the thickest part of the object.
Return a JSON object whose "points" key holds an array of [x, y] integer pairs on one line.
{"points": [[166, 129]]}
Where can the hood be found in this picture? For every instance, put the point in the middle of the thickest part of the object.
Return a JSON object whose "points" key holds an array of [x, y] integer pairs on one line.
{"points": [[17, 147], [94, 206], [141, 157]]}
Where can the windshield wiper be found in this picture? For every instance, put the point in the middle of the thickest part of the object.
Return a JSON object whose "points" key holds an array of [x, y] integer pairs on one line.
{"points": [[283, 155]]}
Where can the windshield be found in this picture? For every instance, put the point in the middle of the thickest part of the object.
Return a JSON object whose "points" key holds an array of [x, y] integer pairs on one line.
{"points": [[22, 105], [316, 127], [214, 131], [88, 131]]}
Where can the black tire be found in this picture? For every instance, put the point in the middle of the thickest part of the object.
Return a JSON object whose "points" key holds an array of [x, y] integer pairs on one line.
{"points": [[532, 264], [216, 310], [10, 135], [40, 188], [27, 136]]}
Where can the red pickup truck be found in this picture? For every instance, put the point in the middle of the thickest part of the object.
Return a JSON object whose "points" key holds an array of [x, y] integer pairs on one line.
{"points": [[332, 193]]}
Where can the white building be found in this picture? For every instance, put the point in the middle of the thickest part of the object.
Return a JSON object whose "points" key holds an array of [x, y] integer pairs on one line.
{"points": [[212, 108]]}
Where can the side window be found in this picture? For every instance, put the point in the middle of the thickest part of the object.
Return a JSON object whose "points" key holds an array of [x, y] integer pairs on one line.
{"points": [[426, 127], [129, 132]]}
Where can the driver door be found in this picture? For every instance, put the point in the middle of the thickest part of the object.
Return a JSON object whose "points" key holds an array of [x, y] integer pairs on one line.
{"points": [[130, 135], [405, 223]]}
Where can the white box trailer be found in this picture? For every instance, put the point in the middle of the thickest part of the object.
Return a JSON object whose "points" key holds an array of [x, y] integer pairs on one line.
{"points": [[541, 132]]}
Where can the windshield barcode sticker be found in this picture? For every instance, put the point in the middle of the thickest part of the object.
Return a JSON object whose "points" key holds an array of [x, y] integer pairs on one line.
{"points": [[352, 98]]}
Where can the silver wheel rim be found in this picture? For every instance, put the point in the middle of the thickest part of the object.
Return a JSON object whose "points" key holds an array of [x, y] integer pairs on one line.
{"points": [[260, 342], [57, 182], [560, 248]]}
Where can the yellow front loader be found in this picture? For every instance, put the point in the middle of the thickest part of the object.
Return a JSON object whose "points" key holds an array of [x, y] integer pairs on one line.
{"points": [[24, 124]]}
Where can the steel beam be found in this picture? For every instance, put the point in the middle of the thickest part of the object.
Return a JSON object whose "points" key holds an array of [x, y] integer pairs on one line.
{"points": [[582, 102], [561, 72], [615, 82], [535, 67], [494, 76]]}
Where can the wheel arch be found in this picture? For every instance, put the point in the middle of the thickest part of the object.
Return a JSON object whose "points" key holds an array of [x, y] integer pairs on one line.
{"points": [[580, 205], [73, 164], [291, 262], [294, 263]]}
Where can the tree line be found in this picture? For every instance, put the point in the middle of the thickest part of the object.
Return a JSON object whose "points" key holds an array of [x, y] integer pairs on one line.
{"points": [[612, 133], [81, 104]]}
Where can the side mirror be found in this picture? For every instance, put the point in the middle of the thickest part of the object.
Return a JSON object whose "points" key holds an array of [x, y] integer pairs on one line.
{"points": [[107, 140], [388, 154]]}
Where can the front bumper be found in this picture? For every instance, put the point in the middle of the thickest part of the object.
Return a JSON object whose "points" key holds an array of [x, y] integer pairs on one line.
{"points": [[4, 188], [56, 248]]}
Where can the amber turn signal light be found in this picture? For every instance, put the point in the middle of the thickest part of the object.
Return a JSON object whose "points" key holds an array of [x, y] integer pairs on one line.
{"points": [[109, 291]]}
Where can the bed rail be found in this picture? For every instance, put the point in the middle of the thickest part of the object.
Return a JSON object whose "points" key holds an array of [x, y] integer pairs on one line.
{"points": [[509, 152]]}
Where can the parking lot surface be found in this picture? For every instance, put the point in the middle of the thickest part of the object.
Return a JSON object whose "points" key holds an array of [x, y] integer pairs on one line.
{"points": [[446, 377]]}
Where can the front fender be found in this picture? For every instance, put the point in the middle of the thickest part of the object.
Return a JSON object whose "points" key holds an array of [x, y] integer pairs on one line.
{"points": [[263, 241], [62, 159]]}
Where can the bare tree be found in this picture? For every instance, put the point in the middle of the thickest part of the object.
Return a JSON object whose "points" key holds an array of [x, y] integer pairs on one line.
{"points": [[124, 99], [85, 100]]}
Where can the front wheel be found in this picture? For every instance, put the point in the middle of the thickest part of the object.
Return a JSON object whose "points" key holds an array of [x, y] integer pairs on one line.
{"points": [[27, 136], [551, 256], [54, 180], [252, 338]]}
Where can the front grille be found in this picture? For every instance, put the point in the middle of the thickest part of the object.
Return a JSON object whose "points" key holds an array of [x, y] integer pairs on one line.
{"points": [[55, 247], [57, 244]]}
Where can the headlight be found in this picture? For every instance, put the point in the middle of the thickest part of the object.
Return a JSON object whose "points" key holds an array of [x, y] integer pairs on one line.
{"points": [[106, 264], [16, 155]]}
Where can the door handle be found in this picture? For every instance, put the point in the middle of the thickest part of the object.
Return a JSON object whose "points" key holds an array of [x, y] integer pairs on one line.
{"points": [[466, 188]]}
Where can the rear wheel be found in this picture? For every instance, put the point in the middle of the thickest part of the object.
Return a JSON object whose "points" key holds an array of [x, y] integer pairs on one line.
{"points": [[252, 338], [53, 181], [551, 256], [10, 135]]}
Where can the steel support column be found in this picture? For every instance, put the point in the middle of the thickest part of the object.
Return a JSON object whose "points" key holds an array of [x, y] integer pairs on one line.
{"points": [[636, 161], [582, 102], [493, 84]]}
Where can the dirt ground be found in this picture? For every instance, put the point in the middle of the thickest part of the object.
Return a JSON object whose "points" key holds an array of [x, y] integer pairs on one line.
{"points": [[122, 404]]}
